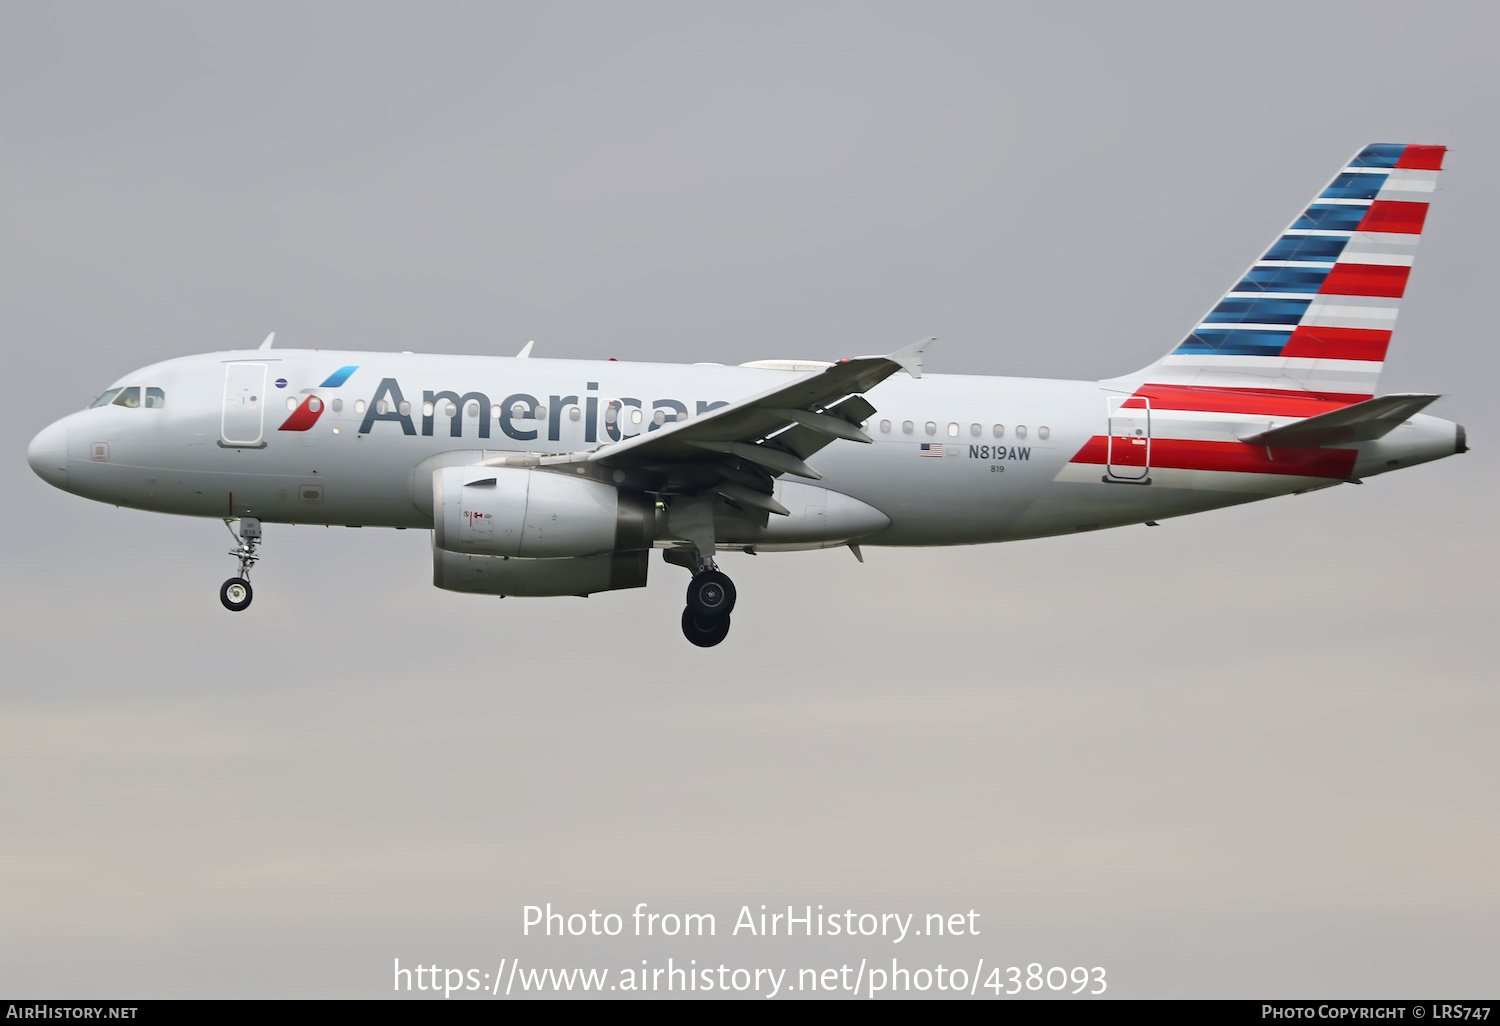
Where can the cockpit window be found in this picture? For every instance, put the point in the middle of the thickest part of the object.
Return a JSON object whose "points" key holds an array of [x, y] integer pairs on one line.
{"points": [[155, 398], [105, 399], [130, 397]]}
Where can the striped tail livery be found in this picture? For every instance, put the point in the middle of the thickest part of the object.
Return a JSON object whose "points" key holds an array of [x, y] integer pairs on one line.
{"points": [[1288, 360], [1314, 314]]}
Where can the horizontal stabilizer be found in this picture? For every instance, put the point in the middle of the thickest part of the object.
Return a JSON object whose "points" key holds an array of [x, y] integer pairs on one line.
{"points": [[1361, 422]]}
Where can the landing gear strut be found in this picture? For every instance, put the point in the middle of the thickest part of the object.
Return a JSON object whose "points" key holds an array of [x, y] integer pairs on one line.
{"points": [[710, 599], [236, 592]]}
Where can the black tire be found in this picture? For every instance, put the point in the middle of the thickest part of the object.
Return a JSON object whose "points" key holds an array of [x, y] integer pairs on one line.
{"points": [[236, 594], [710, 595], [704, 633]]}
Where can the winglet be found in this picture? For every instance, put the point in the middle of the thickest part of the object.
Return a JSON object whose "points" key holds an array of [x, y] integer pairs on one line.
{"points": [[525, 352], [269, 339], [909, 358]]}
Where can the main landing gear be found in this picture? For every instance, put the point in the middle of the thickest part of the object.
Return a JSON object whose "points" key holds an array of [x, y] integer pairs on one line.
{"points": [[710, 600], [236, 592]]}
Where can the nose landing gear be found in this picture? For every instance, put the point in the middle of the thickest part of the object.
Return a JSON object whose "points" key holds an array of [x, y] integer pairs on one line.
{"points": [[236, 592]]}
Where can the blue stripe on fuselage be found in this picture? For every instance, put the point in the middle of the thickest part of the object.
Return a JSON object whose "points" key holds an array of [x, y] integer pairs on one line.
{"points": [[338, 377]]}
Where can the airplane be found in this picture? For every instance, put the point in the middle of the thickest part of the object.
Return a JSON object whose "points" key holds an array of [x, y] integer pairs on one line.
{"points": [[543, 477]]}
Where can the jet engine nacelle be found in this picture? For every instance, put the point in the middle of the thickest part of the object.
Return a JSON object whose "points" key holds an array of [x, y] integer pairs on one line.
{"points": [[516, 531], [535, 514]]}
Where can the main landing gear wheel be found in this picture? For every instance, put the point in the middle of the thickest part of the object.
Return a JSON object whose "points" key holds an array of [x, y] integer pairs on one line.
{"points": [[710, 595], [236, 594], [704, 633]]}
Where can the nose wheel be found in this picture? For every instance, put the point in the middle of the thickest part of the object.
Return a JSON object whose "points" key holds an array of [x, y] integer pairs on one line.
{"points": [[236, 592]]}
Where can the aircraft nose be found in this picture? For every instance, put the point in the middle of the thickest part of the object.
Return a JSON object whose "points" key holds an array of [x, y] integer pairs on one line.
{"points": [[48, 454]]}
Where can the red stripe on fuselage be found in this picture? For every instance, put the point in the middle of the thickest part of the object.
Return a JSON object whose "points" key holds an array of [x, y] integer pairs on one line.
{"points": [[1394, 216], [304, 416], [1237, 457], [1365, 280], [1272, 401], [1338, 344]]}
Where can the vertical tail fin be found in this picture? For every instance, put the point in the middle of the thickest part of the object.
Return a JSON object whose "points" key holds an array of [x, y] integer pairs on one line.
{"points": [[1316, 312]]}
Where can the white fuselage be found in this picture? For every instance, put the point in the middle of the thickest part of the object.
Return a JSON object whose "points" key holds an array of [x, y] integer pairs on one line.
{"points": [[1013, 461]]}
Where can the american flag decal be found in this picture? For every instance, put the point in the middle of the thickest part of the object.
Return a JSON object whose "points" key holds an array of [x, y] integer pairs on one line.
{"points": [[932, 449]]}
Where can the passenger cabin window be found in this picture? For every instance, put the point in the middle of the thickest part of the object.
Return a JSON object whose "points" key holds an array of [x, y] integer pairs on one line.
{"points": [[931, 427], [885, 427], [1044, 433], [1020, 430], [906, 426], [976, 430], [130, 397], [105, 399], [999, 430], [155, 398], [952, 430]]}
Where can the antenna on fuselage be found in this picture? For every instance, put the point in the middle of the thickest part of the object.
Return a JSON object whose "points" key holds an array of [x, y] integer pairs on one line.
{"points": [[525, 350], [269, 339]]}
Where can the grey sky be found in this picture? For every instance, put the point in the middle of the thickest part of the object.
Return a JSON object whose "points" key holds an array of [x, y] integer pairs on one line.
{"points": [[1248, 753]]}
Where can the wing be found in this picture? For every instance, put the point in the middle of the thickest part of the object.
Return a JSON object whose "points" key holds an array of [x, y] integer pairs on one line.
{"points": [[738, 450]]}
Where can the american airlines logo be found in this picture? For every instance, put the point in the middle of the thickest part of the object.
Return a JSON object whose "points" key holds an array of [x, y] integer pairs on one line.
{"points": [[311, 408], [625, 416]]}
